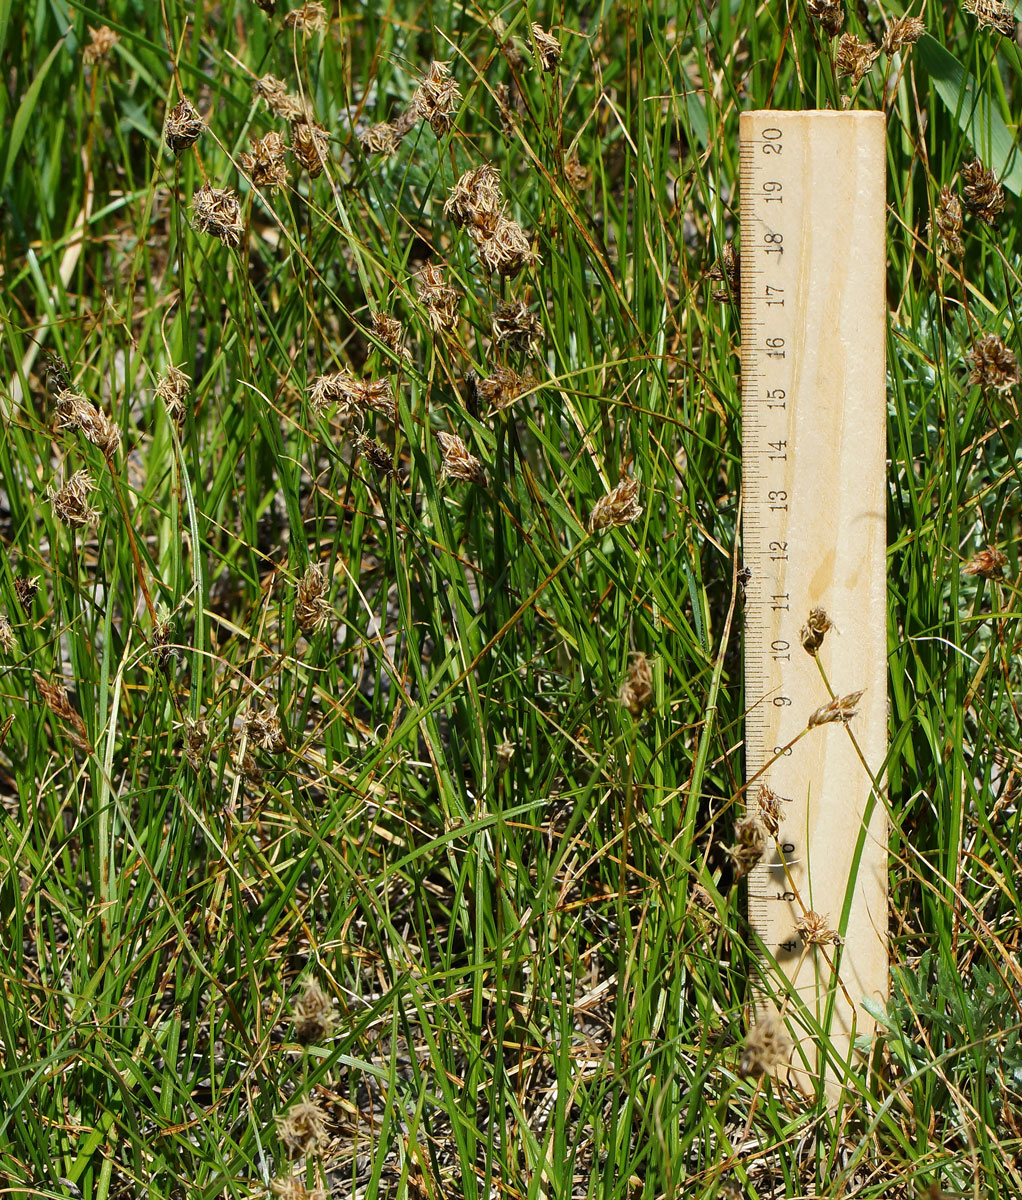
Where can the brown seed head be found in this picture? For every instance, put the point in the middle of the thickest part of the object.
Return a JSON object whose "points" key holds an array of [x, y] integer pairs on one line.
{"points": [[728, 273], [767, 1047], [313, 1014], [750, 843], [173, 389], [993, 364], [280, 101], [312, 609], [75, 412], [814, 630], [636, 693], [390, 332], [7, 639], [548, 48], [439, 300], [770, 811], [619, 507], [458, 463], [54, 696], [947, 222], [56, 373], [183, 127], [382, 138], [515, 327], [503, 387], [310, 144], [475, 200], [196, 742], [337, 387], [101, 42], [982, 195], [992, 14], [579, 177], [306, 19], [216, 211], [905, 31], [506, 249], [842, 709], [290, 1188], [264, 730], [159, 643], [25, 588], [854, 58], [988, 564], [812, 928], [303, 1128], [376, 454], [71, 502], [437, 98], [265, 164], [828, 13]]}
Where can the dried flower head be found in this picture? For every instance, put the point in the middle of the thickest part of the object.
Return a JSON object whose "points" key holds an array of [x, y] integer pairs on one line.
{"points": [[475, 200], [854, 58], [313, 1014], [280, 101], [515, 327], [993, 364], [619, 507], [312, 609], [767, 1047], [947, 222], [905, 31], [988, 564], [812, 928], [390, 332], [841, 708], [579, 177], [992, 14], [548, 48], [173, 389], [636, 693], [306, 19], [982, 195], [264, 730], [750, 843], [101, 42], [437, 98], [54, 696], [770, 811], [265, 164], [506, 249], [196, 742], [728, 273], [25, 588], [216, 211], [183, 127], [310, 144], [75, 412], [71, 502], [458, 463], [439, 300], [7, 639], [503, 387], [288, 1187], [828, 13], [382, 138], [55, 372], [159, 643], [376, 454], [505, 753], [336, 387], [303, 1128], [814, 630]]}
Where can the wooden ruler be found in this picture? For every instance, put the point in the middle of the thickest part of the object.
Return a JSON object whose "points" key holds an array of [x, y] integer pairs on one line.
{"points": [[813, 272]]}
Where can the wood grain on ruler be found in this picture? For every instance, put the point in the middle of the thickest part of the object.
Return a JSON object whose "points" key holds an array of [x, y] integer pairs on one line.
{"points": [[813, 267]]}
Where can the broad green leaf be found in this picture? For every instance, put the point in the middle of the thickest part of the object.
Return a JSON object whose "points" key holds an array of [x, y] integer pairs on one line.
{"points": [[975, 112]]}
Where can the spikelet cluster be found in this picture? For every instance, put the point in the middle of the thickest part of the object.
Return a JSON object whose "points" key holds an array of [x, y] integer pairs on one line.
{"points": [[216, 211], [437, 98], [619, 507], [183, 127], [264, 162], [458, 463]]}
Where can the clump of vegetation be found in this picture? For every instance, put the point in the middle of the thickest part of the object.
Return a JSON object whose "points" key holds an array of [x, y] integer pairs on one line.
{"points": [[371, 769]]}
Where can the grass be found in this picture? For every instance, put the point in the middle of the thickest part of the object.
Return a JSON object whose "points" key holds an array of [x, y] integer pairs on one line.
{"points": [[514, 893]]}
